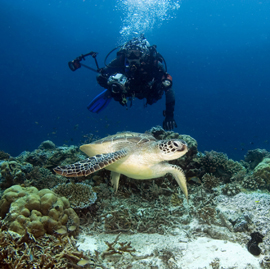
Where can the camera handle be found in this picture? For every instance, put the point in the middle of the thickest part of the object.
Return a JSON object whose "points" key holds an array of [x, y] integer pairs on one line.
{"points": [[75, 64]]}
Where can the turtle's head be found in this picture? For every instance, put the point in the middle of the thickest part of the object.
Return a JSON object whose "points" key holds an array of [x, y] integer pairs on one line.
{"points": [[172, 149]]}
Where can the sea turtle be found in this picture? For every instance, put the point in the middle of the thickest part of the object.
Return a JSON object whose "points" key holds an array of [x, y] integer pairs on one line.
{"points": [[136, 155]]}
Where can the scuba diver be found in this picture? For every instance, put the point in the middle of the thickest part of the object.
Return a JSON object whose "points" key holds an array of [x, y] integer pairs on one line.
{"points": [[138, 71]]}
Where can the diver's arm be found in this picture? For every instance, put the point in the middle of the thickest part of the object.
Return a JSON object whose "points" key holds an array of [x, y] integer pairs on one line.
{"points": [[169, 122]]}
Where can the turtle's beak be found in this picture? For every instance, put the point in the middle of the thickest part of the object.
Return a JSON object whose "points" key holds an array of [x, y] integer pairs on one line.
{"points": [[183, 147]]}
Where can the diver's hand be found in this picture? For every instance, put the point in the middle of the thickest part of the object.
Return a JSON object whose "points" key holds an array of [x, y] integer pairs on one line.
{"points": [[169, 123]]}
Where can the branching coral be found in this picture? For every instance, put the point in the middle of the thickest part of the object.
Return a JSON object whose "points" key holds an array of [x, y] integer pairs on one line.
{"points": [[43, 178], [231, 189], [80, 195], [120, 249], [253, 182], [219, 165], [206, 214], [59, 252], [210, 181]]}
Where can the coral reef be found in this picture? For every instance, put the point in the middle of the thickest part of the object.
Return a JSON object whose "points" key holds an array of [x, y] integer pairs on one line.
{"points": [[47, 145], [28, 252], [34, 168], [117, 247], [253, 182], [219, 165], [13, 172], [255, 156], [42, 178], [231, 189], [80, 195], [210, 181], [4, 155], [37, 212], [262, 170], [38, 222]]}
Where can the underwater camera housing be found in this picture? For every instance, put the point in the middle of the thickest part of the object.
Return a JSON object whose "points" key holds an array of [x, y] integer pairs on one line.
{"points": [[117, 83]]}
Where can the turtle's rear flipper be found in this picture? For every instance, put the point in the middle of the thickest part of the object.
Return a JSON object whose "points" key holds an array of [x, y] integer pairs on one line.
{"points": [[90, 165]]}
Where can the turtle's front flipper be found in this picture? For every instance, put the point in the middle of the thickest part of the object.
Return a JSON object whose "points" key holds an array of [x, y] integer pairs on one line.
{"points": [[90, 165], [179, 176]]}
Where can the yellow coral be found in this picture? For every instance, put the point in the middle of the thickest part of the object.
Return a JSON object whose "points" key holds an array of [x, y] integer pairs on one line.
{"points": [[38, 212]]}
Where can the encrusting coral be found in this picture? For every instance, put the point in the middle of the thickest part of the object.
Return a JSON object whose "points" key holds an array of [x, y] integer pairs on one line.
{"points": [[37, 212], [80, 195]]}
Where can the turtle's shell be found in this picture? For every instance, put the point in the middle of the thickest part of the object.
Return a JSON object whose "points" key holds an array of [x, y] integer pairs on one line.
{"points": [[112, 143]]}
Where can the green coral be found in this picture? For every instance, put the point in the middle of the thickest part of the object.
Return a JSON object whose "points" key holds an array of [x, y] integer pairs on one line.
{"points": [[262, 170], [37, 212], [80, 195]]}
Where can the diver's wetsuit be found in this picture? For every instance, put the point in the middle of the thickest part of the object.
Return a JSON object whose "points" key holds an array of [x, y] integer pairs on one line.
{"points": [[144, 81]]}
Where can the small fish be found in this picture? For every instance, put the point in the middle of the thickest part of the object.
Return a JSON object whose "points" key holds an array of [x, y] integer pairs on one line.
{"points": [[61, 231], [84, 262], [195, 179], [36, 122]]}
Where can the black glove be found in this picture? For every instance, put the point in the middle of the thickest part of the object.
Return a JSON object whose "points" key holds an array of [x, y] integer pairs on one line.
{"points": [[102, 81], [169, 123]]}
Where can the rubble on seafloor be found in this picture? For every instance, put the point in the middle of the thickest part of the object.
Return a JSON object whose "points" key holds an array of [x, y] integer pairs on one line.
{"points": [[146, 224]]}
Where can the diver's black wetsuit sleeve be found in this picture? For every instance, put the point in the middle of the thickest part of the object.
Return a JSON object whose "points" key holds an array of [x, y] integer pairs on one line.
{"points": [[170, 102], [169, 122], [115, 66]]}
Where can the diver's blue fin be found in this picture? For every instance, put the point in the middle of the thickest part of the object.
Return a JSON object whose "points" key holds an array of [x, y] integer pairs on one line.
{"points": [[99, 102]]}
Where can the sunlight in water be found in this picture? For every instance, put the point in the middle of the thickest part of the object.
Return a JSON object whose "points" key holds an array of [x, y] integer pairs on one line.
{"points": [[141, 16]]}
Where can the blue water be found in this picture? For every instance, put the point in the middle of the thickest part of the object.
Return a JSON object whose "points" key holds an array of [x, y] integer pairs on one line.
{"points": [[218, 53]]}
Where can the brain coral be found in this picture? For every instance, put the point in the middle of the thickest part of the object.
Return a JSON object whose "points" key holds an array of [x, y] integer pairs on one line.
{"points": [[80, 195], [38, 212]]}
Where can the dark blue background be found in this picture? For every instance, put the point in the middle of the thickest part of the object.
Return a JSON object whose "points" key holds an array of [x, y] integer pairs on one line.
{"points": [[218, 53]]}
